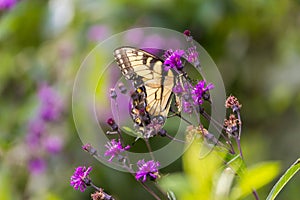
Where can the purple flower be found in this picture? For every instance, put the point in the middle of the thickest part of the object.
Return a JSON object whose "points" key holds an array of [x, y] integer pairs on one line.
{"points": [[192, 56], [97, 33], [188, 86], [178, 89], [173, 59], [90, 149], [199, 90], [187, 33], [187, 107], [111, 122], [113, 93], [87, 147], [149, 168], [134, 36], [36, 128], [53, 144], [7, 4], [37, 165], [150, 40], [51, 104], [80, 179], [114, 148]]}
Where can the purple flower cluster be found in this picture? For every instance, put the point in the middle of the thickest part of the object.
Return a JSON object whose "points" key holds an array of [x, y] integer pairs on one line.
{"points": [[36, 128], [36, 165], [187, 107], [184, 91], [191, 55], [7, 4], [192, 96], [37, 138], [114, 149], [147, 169], [199, 90], [80, 179], [51, 104], [53, 144], [173, 59], [178, 89]]}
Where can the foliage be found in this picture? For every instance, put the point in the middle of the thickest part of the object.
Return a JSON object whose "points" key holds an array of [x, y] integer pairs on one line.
{"points": [[207, 178], [284, 179]]}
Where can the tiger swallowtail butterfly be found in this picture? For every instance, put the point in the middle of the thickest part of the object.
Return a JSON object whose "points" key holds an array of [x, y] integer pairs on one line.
{"points": [[153, 95]]}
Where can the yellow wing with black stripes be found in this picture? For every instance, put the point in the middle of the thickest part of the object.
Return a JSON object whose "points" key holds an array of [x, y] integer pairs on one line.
{"points": [[147, 70]]}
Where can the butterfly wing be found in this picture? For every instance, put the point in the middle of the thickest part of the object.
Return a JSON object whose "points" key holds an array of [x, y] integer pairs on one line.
{"points": [[138, 64], [146, 69]]}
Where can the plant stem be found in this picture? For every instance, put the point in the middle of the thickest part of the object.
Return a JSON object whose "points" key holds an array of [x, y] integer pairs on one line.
{"points": [[106, 196], [238, 142], [94, 186], [143, 184], [215, 124], [150, 191], [240, 124], [179, 115], [255, 194], [238, 137], [149, 148], [163, 192]]}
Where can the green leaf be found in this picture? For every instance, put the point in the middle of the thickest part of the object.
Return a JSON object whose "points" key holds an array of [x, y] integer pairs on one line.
{"points": [[199, 177], [201, 170], [237, 164], [52, 196], [5, 184], [223, 184], [175, 182], [254, 178], [171, 195], [284, 180]]}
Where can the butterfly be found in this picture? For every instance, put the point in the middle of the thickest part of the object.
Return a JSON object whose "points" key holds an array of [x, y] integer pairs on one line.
{"points": [[154, 85]]}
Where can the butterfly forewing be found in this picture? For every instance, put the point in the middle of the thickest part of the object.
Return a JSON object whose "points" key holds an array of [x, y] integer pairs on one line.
{"points": [[136, 63]]}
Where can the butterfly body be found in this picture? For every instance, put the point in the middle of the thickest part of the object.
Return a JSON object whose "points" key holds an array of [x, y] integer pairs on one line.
{"points": [[139, 110]]}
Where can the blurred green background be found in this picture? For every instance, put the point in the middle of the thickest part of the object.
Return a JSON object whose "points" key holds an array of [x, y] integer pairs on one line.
{"points": [[255, 44]]}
